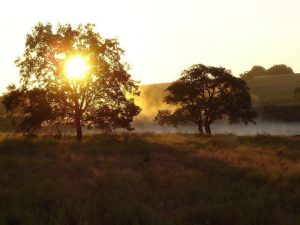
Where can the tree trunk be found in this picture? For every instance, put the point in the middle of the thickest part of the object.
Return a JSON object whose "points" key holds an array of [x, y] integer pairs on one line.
{"points": [[78, 122], [207, 128], [200, 128]]}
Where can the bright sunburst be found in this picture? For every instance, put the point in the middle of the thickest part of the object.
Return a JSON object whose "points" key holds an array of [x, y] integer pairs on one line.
{"points": [[76, 67]]}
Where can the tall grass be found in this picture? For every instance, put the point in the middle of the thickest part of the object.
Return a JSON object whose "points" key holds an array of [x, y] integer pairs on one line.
{"points": [[146, 179]]}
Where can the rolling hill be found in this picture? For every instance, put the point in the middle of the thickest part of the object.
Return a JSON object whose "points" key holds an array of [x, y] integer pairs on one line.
{"points": [[272, 96], [274, 89], [266, 90]]}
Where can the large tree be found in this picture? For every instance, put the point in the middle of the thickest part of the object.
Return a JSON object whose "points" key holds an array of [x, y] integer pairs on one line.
{"points": [[98, 98], [205, 94]]}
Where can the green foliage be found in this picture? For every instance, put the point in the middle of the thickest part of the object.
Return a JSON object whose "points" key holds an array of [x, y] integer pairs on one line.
{"points": [[150, 179]]}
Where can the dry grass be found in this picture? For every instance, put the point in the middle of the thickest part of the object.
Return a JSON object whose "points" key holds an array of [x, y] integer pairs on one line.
{"points": [[150, 179]]}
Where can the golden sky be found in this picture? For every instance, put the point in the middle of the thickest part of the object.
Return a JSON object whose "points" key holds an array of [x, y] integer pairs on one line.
{"points": [[163, 37]]}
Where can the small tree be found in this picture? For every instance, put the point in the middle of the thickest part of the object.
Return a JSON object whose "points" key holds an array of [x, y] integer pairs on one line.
{"points": [[205, 94], [296, 93], [99, 98], [27, 108]]}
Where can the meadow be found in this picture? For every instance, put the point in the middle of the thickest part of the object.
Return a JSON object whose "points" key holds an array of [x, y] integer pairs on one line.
{"points": [[143, 179]]}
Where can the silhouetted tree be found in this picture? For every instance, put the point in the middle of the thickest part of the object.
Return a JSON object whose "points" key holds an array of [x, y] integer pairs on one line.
{"points": [[259, 71], [101, 99], [205, 94], [27, 108], [255, 71], [297, 93], [280, 69]]}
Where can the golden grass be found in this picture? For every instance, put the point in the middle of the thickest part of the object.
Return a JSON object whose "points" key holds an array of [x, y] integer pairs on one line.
{"points": [[167, 179]]}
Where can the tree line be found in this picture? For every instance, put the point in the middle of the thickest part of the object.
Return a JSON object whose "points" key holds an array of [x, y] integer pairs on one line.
{"points": [[261, 71], [46, 97]]}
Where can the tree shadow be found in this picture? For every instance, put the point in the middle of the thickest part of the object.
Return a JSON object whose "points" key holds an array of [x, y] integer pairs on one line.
{"points": [[129, 179]]}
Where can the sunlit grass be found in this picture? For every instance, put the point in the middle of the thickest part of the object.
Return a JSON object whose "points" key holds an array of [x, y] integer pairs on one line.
{"points": [[150, 179]]}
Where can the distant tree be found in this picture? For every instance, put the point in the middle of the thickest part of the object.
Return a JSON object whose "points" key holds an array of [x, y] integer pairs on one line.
{"points": [[285, 113], [280, 69], [259, 70], [205, 94], [99, 100], [297, 93], [255, 71]]}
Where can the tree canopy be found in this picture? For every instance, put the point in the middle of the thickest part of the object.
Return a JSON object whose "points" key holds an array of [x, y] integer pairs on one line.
{"points": [[255, 71], [280, 69], [204, 94], [99, 99], [27, 108], [274, 70]]}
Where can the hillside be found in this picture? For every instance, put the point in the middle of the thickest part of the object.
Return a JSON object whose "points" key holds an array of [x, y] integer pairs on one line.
{"points": [[151, 99], [265, 90], [274, 89], [271, 89]]}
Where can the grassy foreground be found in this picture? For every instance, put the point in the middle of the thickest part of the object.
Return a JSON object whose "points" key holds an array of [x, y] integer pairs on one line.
{"points": [[143, 179]]}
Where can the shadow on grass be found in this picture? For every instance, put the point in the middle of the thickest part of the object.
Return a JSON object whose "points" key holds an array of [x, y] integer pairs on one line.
{"points": [[127, 179], [289, 142]]}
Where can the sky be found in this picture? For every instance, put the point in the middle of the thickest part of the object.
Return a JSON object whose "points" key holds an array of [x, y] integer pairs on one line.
{"points": [[163, 37]]}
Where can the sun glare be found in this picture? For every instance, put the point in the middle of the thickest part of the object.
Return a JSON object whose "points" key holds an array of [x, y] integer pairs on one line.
{"points": [[76, 67]]}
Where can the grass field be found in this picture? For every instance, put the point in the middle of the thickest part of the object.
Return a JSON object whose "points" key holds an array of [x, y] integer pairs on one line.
{"points": [[144, 179]]}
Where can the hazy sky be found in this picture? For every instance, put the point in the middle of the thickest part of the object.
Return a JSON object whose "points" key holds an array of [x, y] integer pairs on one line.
{"points": [[163, 37]]}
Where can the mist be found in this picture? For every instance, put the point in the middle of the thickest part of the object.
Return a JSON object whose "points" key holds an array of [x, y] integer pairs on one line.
{"points": [[221, 127]]}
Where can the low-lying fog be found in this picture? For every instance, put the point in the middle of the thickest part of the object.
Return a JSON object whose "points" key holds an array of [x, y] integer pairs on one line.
{"points": [[261, 127]]}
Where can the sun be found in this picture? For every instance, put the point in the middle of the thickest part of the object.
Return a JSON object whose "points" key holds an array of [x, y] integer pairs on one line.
{"points": [[76, 67]]}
